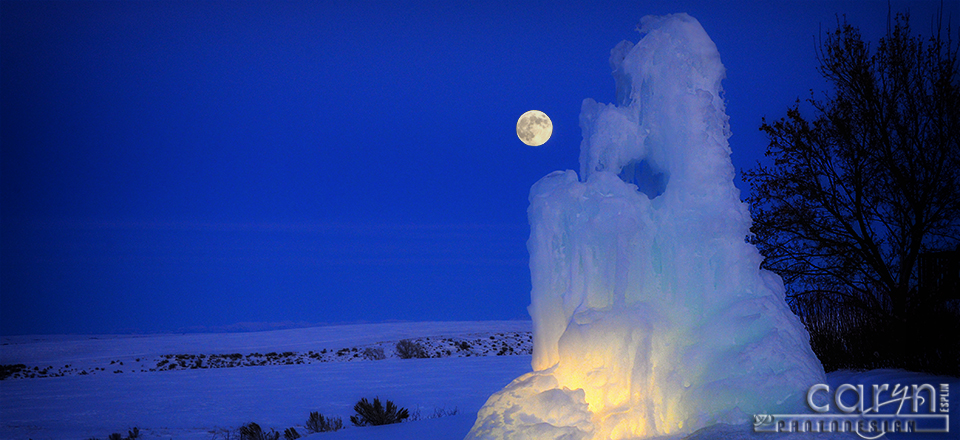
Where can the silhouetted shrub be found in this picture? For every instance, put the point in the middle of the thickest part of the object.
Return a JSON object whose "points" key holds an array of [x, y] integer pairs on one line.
{"points": [[415, 415], [9, 370], [377, 414], [291, 434], [408, 349], [132, 434], [318, 423], [437, 413], [252, 431], [443, 412], [374, 354]]}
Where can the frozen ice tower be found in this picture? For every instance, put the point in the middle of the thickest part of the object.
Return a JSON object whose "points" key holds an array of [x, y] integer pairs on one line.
{"points": [[651, 316]]}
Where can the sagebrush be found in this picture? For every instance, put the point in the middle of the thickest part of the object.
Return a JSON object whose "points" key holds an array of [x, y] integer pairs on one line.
{"points": [[319, 423], [252, 431], [375, 413], [407, 349], [291, 434]]}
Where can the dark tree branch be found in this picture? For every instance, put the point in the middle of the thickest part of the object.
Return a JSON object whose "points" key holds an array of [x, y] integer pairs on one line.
{"points": [[857, 193]]}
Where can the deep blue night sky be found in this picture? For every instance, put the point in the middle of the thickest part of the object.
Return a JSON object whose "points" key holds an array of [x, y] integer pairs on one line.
{"points": [[188, 166]]}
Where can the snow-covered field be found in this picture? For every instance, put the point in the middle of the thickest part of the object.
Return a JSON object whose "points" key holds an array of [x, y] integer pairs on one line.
{"points": [[194, 403], [278, 392]]}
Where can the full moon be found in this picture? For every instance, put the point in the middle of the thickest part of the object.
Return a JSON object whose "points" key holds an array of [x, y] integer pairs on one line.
{"points": [[534, 128]]}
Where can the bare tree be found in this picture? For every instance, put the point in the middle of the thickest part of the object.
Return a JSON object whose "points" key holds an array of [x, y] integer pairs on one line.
{"points": [[861, 191]]}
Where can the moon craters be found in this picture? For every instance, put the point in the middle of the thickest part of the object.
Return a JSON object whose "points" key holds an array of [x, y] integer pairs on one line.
{"points": [[534, 128]]}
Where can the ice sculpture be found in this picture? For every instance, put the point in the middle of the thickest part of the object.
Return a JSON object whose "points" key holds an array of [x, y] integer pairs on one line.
{"points": [[651, 316]]}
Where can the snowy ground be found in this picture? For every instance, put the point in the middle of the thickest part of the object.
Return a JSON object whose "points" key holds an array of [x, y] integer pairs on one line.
{"points": [[279, 392]]}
